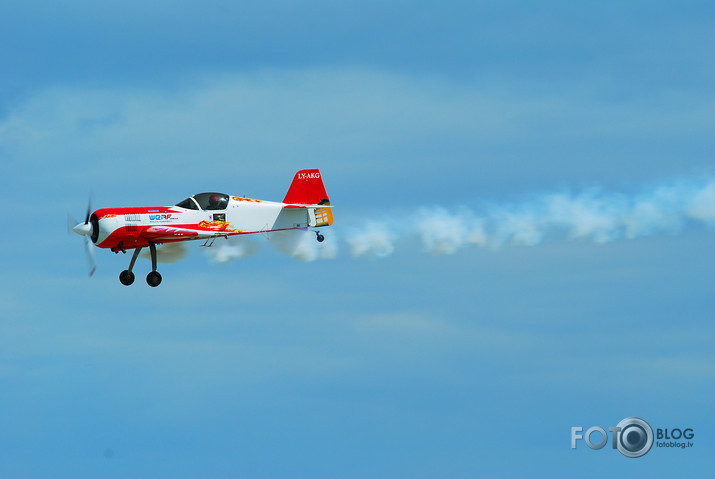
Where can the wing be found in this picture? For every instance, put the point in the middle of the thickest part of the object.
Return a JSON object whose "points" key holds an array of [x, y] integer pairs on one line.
{"points": [[160, 234]]}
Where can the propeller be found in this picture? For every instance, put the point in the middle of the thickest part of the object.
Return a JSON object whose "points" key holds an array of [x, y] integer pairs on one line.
{"points": [[85, 229]]}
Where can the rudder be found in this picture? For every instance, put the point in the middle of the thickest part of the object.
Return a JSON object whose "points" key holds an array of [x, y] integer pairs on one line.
{"points": [[307, 189]]}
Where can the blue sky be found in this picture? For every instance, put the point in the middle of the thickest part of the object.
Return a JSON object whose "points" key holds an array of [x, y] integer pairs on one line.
{"points": [[524, 206]]}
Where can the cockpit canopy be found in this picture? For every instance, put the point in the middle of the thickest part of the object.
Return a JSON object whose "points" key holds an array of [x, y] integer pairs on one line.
{"points": [[205, 201]]}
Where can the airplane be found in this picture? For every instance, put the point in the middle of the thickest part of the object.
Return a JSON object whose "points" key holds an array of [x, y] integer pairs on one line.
{"points": [[204, 216]]}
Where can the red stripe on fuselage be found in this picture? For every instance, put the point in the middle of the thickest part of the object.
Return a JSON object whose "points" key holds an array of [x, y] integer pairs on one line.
{"points": [[139, 236], [134, 210], [131, 237]]}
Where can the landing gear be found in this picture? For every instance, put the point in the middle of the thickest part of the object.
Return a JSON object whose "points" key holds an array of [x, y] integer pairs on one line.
{"points": [[126, 277], [153, 279], [319, 237]]}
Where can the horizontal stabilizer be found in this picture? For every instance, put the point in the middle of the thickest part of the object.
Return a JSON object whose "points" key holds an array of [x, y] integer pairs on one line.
{"points": [[312, 207]]}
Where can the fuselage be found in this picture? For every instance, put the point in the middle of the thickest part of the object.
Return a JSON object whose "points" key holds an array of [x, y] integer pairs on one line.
{"points": [[202, 216]]}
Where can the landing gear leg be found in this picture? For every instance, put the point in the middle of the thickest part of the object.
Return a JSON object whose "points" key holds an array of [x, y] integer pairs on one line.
{"points": [[319, 237], [153, 279], [127, 277]]}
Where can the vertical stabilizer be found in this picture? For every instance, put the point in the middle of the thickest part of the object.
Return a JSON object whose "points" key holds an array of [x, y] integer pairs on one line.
{"points": [[307, 189]]}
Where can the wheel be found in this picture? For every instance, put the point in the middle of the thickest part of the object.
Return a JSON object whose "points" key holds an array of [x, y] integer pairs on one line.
{"points": [[126, 277], [153, 279], [320, 238]]}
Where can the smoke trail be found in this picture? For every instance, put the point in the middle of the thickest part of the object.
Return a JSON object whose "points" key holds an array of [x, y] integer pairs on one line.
{"points": [[373, 239], [303, 246], [223, 251], [300, 244], [444, 232], [702, 206], [168, 253], [590, 215]]}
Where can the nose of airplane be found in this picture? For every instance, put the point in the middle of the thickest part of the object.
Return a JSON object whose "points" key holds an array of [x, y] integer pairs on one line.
{"points": [[83, 229]]}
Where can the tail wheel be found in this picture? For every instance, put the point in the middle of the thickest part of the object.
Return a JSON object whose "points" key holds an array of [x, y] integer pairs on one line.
{"points": [[320, 237]]}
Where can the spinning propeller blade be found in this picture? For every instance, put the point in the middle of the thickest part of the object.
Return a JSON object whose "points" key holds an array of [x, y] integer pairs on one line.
{"points": [[89, 210], [85, 229], [89, 250]]}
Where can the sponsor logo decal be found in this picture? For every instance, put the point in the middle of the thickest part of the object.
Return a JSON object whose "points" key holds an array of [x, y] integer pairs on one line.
{"points": [[160, 217]]}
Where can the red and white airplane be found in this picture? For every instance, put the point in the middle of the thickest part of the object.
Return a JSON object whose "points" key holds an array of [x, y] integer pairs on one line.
{"points": [[205, 216]]}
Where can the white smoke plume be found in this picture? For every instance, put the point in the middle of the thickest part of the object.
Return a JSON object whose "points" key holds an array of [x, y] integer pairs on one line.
{"points": [[302, 245], [591, 215], [444, 232], [168, 252], [702, 206], [374, 239], [223, 251]]}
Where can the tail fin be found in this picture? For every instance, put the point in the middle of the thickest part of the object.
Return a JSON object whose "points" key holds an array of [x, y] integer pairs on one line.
{"points": [[307, 189]]}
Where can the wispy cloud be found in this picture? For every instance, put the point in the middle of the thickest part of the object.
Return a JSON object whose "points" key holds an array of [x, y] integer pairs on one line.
{"points": [[265, 122]]}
